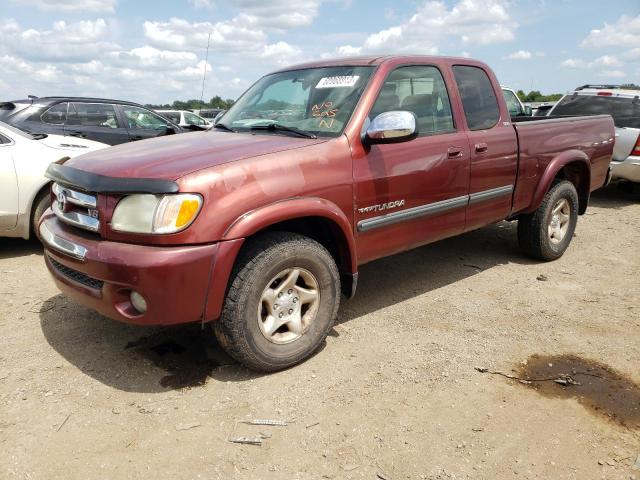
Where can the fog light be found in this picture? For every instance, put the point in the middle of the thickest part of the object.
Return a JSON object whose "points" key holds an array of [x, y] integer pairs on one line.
{"points": [[138, 302]]}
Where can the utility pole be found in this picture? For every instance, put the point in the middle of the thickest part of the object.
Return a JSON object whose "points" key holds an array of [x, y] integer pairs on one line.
{"points": [[204, 73]]}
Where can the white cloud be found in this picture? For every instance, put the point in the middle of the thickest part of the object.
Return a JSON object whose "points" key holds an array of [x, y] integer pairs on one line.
{"points": [[603, 61], [233, 35], [64, 42], [611, 74], [574, 63], [606, 61], [83, 6], [624, 33], [272, 14], [150, 57], [202, 4], [472, 22], [281, 53], [519, 55]]}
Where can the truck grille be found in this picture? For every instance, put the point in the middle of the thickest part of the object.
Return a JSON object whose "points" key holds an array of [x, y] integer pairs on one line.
{"points": [[76, 208], [77, 276]]}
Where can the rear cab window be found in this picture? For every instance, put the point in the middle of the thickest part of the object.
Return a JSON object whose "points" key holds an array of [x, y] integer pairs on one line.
{"points": [[481, 108], [624, 110], [419, 89]]}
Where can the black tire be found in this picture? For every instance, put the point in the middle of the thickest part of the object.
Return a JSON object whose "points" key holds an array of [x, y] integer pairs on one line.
{"points": [[238, 330], [40, 204], [533, 229]]}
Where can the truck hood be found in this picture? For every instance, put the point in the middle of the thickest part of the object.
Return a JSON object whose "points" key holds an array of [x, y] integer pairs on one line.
{"points": [[174, 156]]}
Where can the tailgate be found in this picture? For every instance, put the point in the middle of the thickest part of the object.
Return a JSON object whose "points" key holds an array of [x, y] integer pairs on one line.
{"points": [[626, 139]]}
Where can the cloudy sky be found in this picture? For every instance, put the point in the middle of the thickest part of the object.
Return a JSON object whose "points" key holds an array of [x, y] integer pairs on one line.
{"points": [[150, 51]]}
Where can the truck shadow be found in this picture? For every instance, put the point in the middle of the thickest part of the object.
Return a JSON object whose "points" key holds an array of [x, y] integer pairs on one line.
{"points": [[616, 196], [18, 247], [143, 359]]}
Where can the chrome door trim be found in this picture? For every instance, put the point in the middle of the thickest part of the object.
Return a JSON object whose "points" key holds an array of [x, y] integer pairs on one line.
{"points": [[433, 208], [411, 213], [490, 194], [61, 245]]}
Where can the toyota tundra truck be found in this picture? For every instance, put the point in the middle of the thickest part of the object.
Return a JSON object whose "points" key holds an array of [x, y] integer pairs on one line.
{"points": [[257, 227]]}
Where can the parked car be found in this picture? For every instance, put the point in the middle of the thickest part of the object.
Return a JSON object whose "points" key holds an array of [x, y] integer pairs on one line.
{"points": [[624, 106], [543, 109], [209, 113], [256, 228], [514, 105], [106, 121], [24, 190], [186, 119]]}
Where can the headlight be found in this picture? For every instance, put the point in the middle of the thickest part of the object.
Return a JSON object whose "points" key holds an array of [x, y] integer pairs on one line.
{"points": [[147, 213]]}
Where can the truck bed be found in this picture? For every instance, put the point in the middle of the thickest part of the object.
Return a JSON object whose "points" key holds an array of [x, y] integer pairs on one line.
{"points": [[543, 139]]}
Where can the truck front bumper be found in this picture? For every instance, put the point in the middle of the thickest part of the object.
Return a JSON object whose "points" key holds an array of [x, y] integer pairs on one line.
{"points": [[173, 281], [628, 169]]}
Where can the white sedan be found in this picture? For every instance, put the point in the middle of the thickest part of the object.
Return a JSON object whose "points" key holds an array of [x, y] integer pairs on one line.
{"points": [[186, 119], [24, 190]]}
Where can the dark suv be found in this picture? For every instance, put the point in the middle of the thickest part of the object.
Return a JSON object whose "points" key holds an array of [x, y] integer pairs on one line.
{"points": [[99, 119]]}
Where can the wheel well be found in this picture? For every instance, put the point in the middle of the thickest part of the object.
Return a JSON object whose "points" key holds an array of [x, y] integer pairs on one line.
{"points": [[326, 233], [44, 190], [578, 174]]}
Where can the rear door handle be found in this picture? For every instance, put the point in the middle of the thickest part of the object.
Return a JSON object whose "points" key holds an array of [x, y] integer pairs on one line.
{"points": [[481, 147], [454, 152]]}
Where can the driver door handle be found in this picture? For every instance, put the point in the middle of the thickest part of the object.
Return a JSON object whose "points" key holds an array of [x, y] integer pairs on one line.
{"points": [[481, 147], [454, 152]]}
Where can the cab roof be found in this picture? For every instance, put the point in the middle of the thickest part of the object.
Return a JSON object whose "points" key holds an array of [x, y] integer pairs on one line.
{"points": [[375, 60]]}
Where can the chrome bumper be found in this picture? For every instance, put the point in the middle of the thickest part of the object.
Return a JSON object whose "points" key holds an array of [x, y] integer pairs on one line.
{"points": [[60, 244]]}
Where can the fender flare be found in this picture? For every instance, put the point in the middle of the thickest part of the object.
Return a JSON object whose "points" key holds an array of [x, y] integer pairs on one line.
{"points": [[291, 209], [551, 171]]}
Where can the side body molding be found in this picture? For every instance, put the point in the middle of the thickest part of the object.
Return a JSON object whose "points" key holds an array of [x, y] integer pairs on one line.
{"points": [[552, 169], [295, 208]]}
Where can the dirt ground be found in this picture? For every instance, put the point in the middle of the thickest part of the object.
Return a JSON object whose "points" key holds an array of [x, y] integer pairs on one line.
{"points": [[394, 393]]}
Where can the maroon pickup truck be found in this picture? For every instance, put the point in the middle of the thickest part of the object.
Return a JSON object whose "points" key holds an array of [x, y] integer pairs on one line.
{"points": [[257, 227]]}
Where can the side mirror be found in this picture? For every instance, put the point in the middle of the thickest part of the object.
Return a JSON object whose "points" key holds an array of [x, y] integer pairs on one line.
{"points": [[392, 127], [528, 111]]}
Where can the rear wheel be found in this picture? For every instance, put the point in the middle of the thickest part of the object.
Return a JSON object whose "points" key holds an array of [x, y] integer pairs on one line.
{"points": [[282, 302], [546, 233]]}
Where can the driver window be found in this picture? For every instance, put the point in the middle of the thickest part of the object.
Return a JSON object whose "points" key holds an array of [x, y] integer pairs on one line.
{"points": [[140, 118], [421, 90]]}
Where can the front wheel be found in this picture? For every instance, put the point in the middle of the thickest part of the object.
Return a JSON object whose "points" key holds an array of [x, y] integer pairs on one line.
{"points": [[546, 233], [41, 203], [282, 301]]}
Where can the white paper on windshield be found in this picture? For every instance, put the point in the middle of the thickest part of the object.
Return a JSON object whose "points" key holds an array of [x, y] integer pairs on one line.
{"points": [[342, 81]]}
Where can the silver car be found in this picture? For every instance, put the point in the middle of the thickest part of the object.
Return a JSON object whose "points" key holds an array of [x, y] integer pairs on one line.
{"points": [[624, 106]]}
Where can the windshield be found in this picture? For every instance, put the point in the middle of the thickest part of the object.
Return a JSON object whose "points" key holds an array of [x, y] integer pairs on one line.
{"points": [[625, 111], [318, 101], [17, 131]]}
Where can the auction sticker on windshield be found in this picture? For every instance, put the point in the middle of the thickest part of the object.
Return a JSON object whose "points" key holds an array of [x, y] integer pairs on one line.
{"points": [[338, 81]]}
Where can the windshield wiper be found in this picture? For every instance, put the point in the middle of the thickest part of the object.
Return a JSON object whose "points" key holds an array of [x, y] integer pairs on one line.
{"points": [[222, 126], [39, 136], [274, 127]]}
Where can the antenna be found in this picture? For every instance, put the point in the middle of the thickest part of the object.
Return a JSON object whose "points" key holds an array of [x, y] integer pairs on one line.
{"points": [[204, 73]]}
